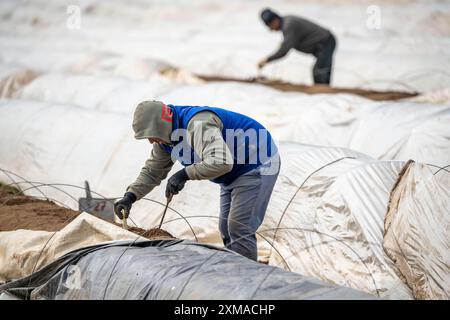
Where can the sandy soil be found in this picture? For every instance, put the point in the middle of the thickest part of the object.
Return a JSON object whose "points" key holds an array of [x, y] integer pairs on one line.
{"points": [[24, 212], [152, 233]]}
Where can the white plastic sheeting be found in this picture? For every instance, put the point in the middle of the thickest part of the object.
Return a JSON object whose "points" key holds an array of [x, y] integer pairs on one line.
{"points": [[416, 232], [26, 251], [332, 207], [435, 96], [384, 130], [13, 78], [134, 68], [103, 93]]}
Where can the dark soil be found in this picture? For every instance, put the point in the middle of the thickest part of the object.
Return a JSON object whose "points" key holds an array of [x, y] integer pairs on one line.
{"points": [[285, 86]]}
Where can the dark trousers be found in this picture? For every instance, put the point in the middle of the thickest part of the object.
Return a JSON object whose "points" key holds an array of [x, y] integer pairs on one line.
{"points": [[324, 60]]}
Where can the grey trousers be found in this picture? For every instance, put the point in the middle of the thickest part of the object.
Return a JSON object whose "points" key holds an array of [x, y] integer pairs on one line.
{"points": [[243, 204]]}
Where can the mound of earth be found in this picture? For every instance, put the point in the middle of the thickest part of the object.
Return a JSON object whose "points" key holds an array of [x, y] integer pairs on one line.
{"points": [[18, 211], [152, 233]]}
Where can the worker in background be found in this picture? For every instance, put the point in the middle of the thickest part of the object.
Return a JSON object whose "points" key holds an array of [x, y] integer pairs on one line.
{"points": [[304, 36], [213, 144]]}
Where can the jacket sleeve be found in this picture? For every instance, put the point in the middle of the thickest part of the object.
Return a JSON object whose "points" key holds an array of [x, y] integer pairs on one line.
{"points": [[205, 137], [154, 171], [287, 44]]}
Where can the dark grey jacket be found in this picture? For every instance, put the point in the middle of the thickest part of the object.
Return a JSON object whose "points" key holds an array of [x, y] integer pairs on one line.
{"points": [[300, 34]]}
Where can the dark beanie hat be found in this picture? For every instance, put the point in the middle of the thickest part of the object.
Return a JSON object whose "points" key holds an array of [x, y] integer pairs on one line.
{"points": [[267, 15]]}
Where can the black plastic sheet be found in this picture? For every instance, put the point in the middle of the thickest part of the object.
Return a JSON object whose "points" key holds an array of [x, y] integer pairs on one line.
{"points": [[171, 269]]}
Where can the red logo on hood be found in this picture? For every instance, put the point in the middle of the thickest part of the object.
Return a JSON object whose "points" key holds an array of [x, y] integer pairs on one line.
{"points": [[166, 114]]}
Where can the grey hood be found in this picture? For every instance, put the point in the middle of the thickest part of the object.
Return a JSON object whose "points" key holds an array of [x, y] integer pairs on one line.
{"points": [[152, 119]]}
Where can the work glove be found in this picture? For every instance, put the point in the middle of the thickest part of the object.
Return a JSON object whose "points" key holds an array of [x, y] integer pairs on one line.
{"points": [[176, 183], [262, 63], [124, 204]]}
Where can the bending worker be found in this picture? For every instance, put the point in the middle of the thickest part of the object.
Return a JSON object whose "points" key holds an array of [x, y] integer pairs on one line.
{"points": [[213, 144], [304, 36]]}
